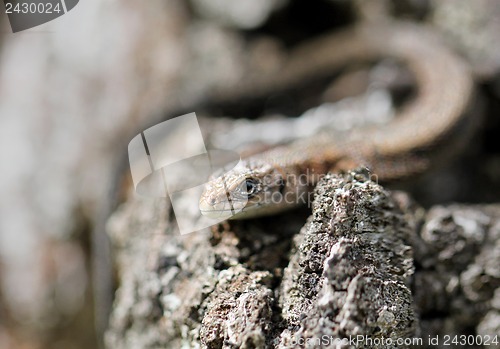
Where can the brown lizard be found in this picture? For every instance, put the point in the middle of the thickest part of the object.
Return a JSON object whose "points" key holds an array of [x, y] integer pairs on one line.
{"points": [[424, 130]]}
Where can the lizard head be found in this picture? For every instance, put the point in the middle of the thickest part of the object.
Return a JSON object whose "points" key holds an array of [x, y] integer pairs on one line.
{"points": [[253, 188]]}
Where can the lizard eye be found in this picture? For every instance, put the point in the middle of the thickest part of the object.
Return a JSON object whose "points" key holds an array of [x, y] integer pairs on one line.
{"points": [[251, 187]]}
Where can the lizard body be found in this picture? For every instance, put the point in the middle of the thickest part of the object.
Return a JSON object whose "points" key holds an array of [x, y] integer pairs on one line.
{"points": [[424, 130]]}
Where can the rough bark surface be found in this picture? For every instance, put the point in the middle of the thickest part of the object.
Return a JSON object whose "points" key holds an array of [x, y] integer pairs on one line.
{"points": [[368, 262]]}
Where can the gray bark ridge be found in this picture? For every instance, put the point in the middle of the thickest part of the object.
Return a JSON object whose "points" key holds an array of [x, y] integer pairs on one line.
{"points": [[369, 264]]}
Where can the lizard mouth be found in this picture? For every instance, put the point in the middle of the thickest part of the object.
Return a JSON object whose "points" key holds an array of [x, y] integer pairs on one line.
{"points": [[225, 209]]}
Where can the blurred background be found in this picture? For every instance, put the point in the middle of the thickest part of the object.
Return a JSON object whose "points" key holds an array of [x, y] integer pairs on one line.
{"points": [[73, 90]]}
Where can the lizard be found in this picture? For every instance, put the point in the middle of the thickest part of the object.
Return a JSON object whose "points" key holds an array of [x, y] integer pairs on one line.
{"points": [[425, 130]]}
